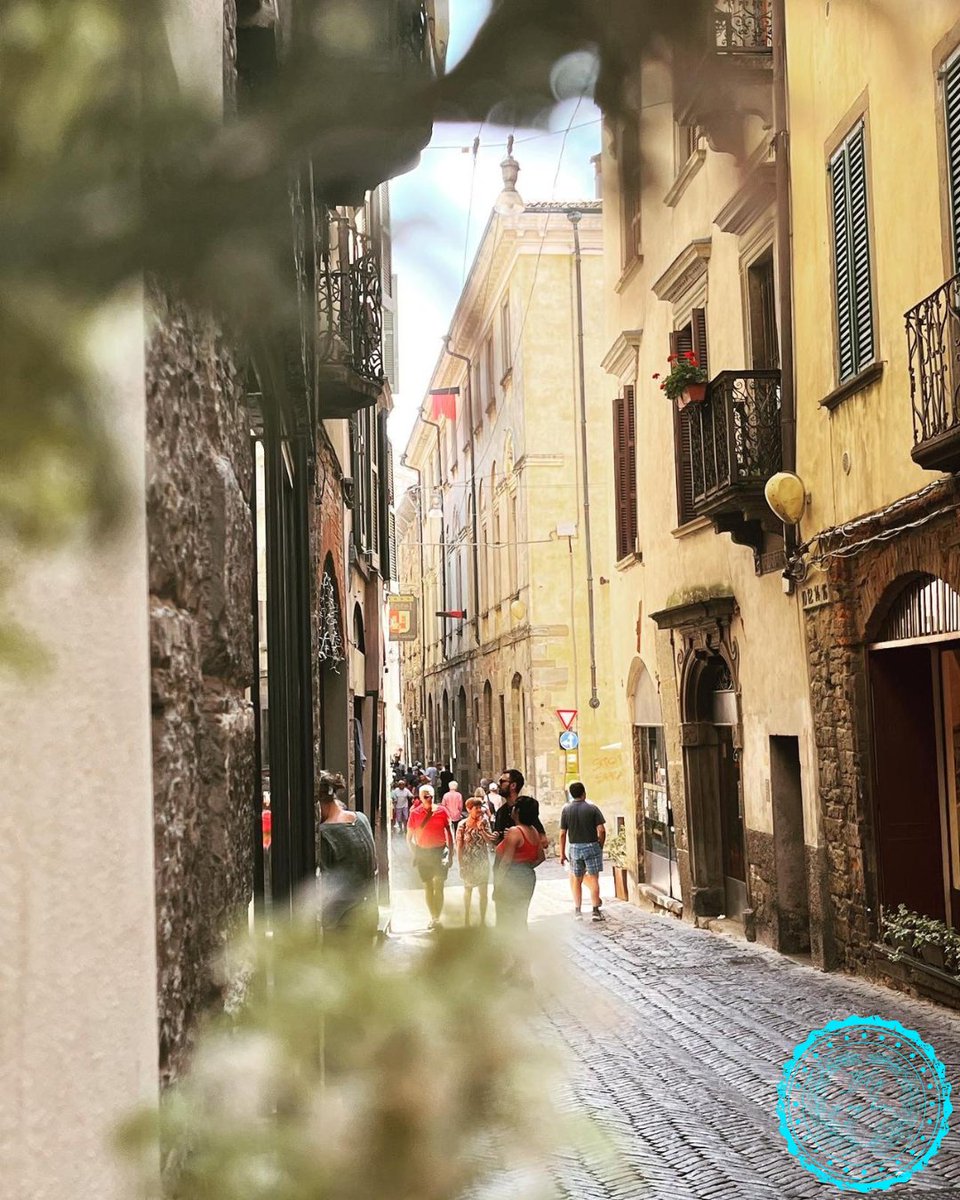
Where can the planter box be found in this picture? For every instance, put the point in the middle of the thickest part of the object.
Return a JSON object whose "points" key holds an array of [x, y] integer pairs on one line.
{"points": [[932, 955], [620, 883]]}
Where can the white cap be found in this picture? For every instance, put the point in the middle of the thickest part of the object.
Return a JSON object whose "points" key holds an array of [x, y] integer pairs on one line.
{"points": [[493, 788]]}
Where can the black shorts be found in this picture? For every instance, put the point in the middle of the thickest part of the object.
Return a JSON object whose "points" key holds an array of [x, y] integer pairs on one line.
{"points": [[429, 863]]}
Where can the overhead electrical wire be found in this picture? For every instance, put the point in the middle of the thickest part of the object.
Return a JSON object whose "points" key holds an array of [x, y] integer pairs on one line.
{"points": [[519, 141]]}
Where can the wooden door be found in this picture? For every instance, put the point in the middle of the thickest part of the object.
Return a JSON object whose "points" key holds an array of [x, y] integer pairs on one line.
{"points": [[906, 781]]}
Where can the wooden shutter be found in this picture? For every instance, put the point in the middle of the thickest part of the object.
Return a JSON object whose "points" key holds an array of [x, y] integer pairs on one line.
{"points": [[625, 472], [951, 101], [851, 256], [682, 340], [698, 329]]}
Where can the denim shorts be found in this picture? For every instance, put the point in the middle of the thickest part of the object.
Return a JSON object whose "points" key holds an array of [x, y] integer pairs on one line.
{"points": [[586, 858]]}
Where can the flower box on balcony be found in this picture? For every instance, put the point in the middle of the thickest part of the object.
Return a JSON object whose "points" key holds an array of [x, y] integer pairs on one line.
{"points": [[693, 393]]}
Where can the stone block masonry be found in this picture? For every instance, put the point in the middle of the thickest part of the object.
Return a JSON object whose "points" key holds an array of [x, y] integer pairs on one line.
{"points": [[199, 475]]}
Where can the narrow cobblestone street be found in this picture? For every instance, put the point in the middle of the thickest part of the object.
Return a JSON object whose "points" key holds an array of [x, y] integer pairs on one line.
{"points": [[681, 1035]]}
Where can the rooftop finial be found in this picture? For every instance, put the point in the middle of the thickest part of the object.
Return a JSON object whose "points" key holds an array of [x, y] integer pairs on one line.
{"points": [[509, 200]]}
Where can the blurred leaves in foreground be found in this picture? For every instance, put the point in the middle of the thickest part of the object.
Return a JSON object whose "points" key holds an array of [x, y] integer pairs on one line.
{"points": [[349, 1073], [112, 171]]}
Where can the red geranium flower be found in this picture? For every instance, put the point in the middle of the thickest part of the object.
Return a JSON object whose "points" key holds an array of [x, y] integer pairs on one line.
{"points": [[671, 358], [657, 376]]}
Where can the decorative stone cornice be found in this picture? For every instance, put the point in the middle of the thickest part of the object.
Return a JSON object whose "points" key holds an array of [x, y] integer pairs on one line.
{"points": [[687, 268], [696, 614], [751, 200], [621, 359]]}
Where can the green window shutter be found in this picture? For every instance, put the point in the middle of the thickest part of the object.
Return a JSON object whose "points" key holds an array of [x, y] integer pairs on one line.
{"points": [[851, 255], [682, 340], [951, 99]]}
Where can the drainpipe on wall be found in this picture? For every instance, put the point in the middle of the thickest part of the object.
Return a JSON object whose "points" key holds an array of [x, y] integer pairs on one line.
{"points": [[781, 142], [473, 488], [575, 217]]}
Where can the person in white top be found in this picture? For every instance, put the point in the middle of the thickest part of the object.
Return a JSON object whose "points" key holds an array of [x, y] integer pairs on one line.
{"points": [[453, 803]]}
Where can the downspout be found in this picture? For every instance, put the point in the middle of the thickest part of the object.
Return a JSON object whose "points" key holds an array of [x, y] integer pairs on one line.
{"points": [[781, 143], [575, 217], [423, 615], [443, 544], [473, 489]]}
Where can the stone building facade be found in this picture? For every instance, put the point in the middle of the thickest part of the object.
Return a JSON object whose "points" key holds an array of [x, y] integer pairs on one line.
{"points": [[498, 510], [199, 523]]}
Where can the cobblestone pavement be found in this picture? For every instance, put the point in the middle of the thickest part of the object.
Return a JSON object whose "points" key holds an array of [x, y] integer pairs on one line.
{"points": [[680, 1036]]}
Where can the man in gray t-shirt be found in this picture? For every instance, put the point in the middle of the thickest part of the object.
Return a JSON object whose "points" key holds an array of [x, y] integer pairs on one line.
{"points": [[582, 833]]}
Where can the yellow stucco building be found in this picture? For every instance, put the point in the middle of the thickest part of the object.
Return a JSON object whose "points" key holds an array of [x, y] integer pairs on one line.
{"points": [[875, 150], [711, 686], [495, 526], [784, 200]]}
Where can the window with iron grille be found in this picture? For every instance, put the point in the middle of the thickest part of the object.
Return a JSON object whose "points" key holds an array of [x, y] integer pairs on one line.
{"points": [[853, 287], [625, 472]]}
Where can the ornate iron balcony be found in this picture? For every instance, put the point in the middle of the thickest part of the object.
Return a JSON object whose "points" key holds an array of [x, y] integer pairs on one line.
{"points": [[933, 343], [743, 26], [735, 446], [726, 67], [349, 321]]}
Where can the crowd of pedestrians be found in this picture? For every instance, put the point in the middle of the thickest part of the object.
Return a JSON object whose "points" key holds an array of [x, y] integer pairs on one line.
{"points": [[497, 837]]}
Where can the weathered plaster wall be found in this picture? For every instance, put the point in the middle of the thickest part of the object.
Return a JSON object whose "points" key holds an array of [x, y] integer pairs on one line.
{"points": [[199, 469], [78, 1031]]}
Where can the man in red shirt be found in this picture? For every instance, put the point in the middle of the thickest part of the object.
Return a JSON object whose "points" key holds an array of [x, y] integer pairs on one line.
{"points": [[429, 836]]}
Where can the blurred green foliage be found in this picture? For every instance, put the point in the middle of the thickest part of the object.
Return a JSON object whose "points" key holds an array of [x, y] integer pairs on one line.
{"points": [[109, 172], [349, 1073]]}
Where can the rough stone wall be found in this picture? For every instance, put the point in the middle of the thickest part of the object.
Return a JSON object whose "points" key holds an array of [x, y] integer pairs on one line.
{"points": [[845, 902], [762, 866], [199, 472]]}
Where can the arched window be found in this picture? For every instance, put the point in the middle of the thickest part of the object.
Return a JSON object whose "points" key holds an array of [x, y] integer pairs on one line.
{"points": [[518, 722], [358, 638], [512, 535]]}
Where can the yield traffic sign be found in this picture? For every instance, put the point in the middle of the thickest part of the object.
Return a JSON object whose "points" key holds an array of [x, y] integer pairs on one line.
{"points": [[567, 716]]}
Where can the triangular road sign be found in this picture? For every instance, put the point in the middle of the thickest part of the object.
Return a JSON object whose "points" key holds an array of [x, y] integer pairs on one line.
{"points": [[567, 716]]}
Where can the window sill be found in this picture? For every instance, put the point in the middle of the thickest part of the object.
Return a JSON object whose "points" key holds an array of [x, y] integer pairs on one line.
{"points": [[632, 267], [506, 377], [684, 177], [628, 561], [691, 527], [491, 408], [850, 387]]}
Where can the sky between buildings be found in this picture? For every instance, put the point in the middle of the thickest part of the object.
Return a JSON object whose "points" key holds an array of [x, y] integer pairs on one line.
{"points": [[440, 210]]}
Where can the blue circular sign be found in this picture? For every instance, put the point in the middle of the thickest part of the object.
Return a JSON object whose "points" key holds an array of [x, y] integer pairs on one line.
{"points": [[569, 739], [864, 1103]]}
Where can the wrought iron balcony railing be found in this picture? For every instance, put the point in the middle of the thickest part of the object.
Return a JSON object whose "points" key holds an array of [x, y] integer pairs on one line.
{"points": [[349, 319], [735, 443], [743, 26], [933, 344]]}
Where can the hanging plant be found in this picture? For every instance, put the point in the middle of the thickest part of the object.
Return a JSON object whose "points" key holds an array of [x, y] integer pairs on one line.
{"points": [[686, 382], [330, 652]]}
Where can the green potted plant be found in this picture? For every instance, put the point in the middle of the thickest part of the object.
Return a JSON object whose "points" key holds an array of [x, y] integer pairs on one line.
{"points": [[616, 850], [686, 381]]}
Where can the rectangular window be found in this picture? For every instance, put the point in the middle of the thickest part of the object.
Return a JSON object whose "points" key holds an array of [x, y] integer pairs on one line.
{"points": [[625, 472], [630, 188], [506, 346], [490, 374], [853, 286], [692, 336], [761, 293], [951, 106]]}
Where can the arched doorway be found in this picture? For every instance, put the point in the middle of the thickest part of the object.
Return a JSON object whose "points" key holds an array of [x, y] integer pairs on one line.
{"points": [[334, 750], [518, 741], [430, 750], [656, 846], [486, 733], [914, 673], [445, 729], [461, 767], [711, 758]]}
